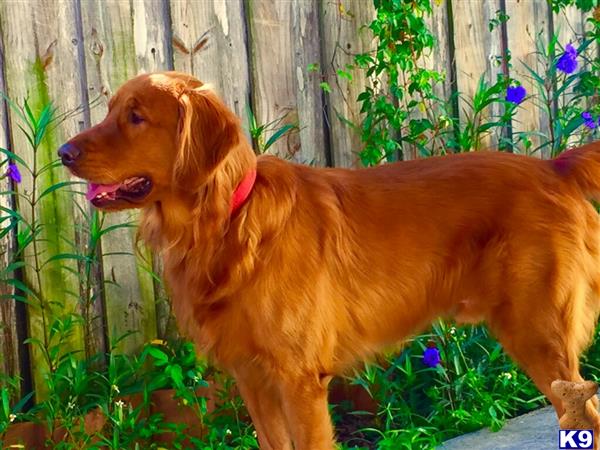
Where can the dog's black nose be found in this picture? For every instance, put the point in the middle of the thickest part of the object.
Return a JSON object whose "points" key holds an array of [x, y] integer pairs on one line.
{"points": [[68, 154]]}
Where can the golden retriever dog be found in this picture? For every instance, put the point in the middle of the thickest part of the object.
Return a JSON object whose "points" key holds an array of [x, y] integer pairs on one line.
{"points": [[285, 275]]}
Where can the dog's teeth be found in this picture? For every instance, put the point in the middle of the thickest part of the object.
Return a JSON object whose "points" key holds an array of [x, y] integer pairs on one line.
{"points": [[132, 180]]}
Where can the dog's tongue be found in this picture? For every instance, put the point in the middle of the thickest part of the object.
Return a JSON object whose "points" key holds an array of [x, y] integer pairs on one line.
{"points": [[95, 189]]}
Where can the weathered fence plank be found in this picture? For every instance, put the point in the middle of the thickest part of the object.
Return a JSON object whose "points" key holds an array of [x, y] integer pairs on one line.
{"points": [[10, 347], [343, 38], [471, 25], [288, 92], [274, 98], [39, 65], [154, 53], [528, 25], [568, 25], [306, 40], [209, 41], [111, 60], [438, 59], [151, 35]]}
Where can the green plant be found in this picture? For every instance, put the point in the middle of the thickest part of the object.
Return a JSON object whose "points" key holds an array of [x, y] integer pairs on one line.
{"points": [[10, 413], [563, 97], [404, 110], [70, 372], [400, 106], [258, 131]]}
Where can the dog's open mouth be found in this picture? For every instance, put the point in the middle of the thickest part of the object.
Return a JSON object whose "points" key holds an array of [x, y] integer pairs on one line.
{"points": [[130, 190]]}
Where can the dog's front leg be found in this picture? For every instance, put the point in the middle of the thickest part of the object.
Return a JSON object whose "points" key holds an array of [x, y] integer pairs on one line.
{"points": [[304, 401], [263, 402]]}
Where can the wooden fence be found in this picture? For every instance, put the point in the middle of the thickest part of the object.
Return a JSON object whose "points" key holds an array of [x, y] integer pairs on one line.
{"points": [[256, 53]]}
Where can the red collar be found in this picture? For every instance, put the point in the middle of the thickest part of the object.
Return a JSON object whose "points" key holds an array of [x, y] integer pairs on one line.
{"points": [[242, 191]]}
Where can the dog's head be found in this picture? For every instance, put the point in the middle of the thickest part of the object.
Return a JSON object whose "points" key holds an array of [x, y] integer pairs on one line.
{"points": [[164, 134]]}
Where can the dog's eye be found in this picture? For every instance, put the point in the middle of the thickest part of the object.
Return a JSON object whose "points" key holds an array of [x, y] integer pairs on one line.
{"points": [[135, 118]]}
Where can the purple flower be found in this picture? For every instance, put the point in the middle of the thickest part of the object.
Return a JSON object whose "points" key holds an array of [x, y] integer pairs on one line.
{"points": [[13, 173], [431, 356], [567, 63], [515, 94], [589, 120]]}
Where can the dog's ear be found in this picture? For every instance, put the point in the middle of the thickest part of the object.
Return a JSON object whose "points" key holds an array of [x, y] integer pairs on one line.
{"points": [[207, 131]]}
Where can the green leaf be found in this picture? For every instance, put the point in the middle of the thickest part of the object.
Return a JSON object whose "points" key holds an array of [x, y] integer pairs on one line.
{"points": [[68, 256], [5, 403], [21, 403], [486, 126], [533, 73], [111, 228], [572, 125], [157, 382], [161, 357], [18, 110], [176, 374], [13, 213], [31, 118], [27, 135], [325, 86], [51, 165], [44, 119], [14, 266], [279, 134], [59, 185], [343, 74], [15, 157], [586, 5], [4, 231], [565, 85]]}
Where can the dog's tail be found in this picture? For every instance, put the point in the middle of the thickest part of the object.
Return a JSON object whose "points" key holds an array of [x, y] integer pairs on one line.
{"points": [[581, 167]]}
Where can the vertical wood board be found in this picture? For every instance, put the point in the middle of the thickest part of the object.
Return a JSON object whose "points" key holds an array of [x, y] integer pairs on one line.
{"points": [[344, 36], [40, 65], [477, 52], [112, 59], [527, 28]]}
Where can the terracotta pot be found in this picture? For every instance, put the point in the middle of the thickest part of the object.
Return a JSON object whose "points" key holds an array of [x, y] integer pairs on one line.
{"points": [[32, 436], [175, 411], [341, 390], [29, 435]]}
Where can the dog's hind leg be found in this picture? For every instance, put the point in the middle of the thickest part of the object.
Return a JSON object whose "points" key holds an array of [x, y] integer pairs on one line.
{"points": [[548, 342]]}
